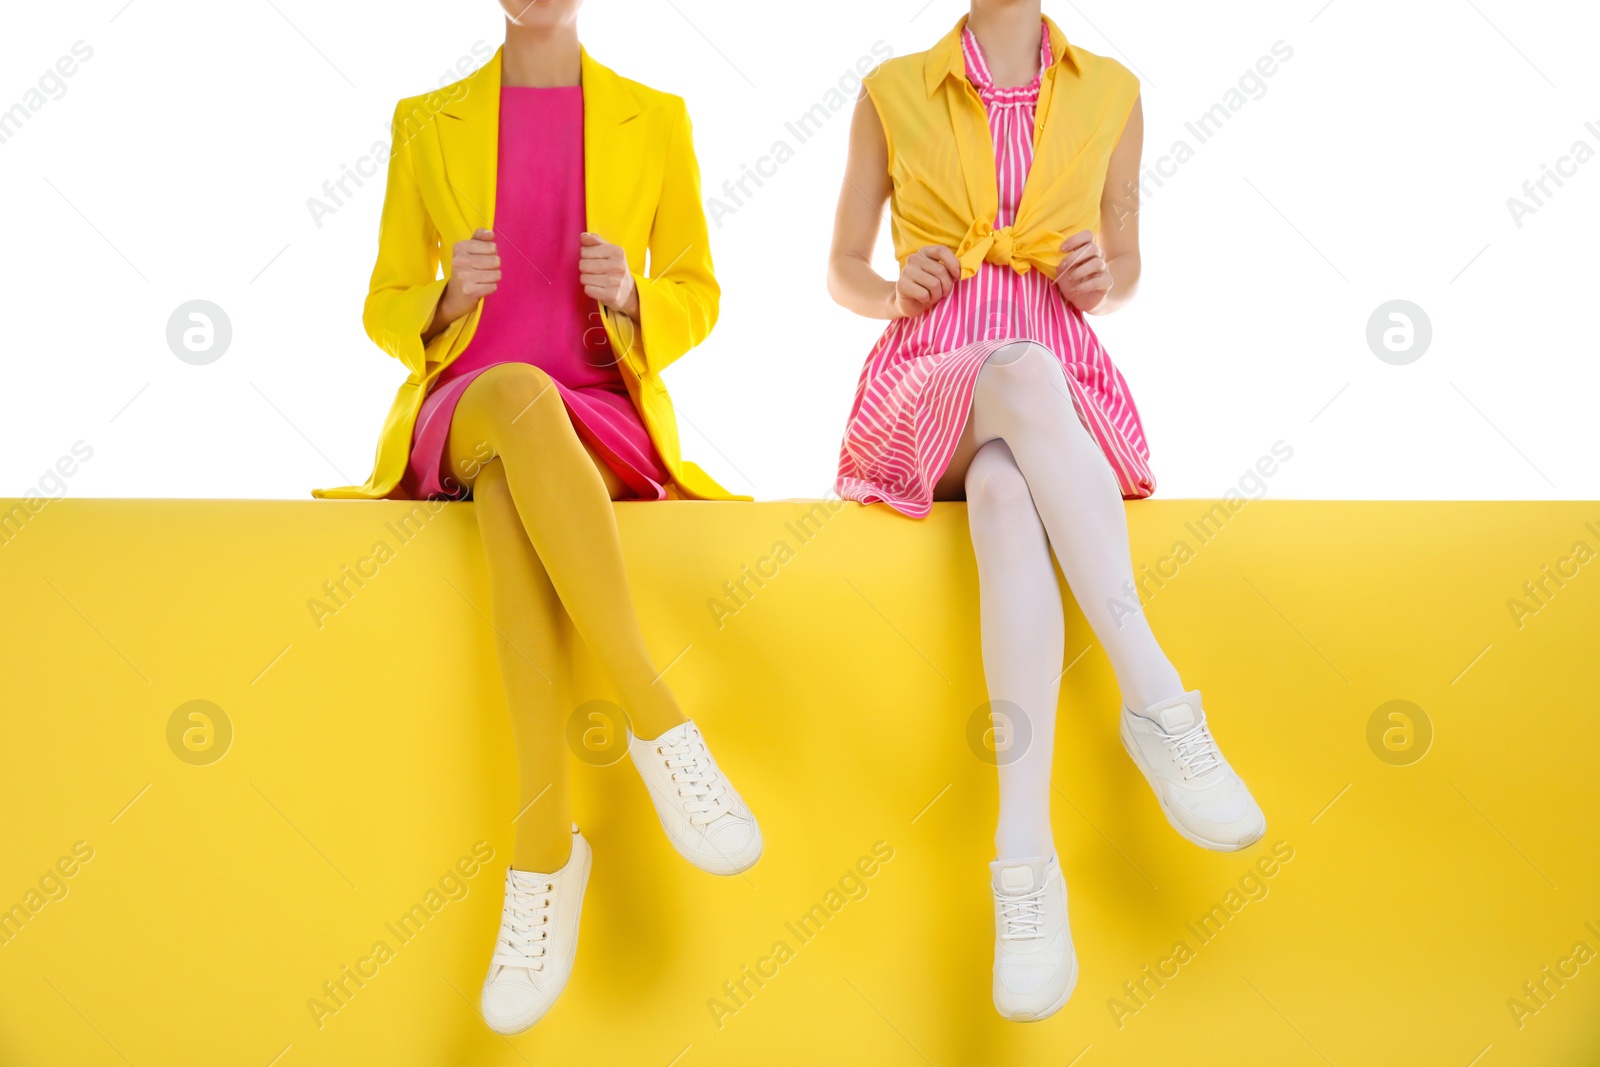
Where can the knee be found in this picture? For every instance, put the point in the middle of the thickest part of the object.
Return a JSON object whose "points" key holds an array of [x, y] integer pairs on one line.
{"points": [[1023, 374], [517, 395], [1024, 358], [994, 483]]}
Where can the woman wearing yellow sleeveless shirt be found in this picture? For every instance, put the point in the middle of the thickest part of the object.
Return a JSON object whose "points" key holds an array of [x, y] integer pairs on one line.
{"points": [[1010, 160]]}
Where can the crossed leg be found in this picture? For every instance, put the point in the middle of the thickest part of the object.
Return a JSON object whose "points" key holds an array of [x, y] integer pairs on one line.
{"points": [[1035, 480], [551, 542]]}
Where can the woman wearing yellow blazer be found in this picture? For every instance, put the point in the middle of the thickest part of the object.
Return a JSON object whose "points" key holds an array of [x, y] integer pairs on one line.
{"points": [[511, 284]]}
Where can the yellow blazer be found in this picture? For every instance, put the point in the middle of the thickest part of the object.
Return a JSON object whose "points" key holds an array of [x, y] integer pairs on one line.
{"points": [[941, 155], [642, 187]]}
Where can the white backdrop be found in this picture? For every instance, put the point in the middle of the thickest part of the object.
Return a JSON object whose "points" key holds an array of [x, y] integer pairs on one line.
{"points": [[162, 151]]}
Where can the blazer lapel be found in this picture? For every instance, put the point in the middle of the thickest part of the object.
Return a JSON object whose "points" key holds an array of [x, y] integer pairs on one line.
{"points": [[614, 157], [469, 139], [611, 151]]}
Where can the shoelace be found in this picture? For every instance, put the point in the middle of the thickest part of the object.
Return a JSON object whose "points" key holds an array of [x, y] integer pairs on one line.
{"points": [[526, 926], [1197, 749], [1023, 915], [703, 790]]}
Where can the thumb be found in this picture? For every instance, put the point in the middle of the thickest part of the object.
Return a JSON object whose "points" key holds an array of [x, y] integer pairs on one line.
{"points": [[591, 239]]}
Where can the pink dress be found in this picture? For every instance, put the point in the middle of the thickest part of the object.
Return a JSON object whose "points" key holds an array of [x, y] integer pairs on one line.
{"points": [[539, 314], [916, 390]]}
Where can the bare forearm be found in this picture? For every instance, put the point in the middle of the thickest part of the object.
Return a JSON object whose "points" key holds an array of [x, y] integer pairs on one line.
{"points": [[1119, 213], [1124, 283], [853, 284]]}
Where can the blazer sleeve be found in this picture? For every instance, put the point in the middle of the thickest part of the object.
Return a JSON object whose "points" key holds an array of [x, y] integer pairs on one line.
{"points": [[678, 302], [405, 287]]}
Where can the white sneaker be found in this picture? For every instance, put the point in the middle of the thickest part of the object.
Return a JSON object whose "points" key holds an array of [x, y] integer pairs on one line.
{"points": [[1035, 966], [538, 938], [1204, 800], [703, 815]]}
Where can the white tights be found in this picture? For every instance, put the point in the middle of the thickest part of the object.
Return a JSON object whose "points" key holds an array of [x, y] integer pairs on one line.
{"points": [[1038, 481]]}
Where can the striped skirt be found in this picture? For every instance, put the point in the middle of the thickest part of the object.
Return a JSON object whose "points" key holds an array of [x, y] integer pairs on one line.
{"points": [[915, 392]]}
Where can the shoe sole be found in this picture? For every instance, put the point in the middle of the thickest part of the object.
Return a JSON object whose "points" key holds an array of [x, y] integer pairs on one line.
{"points": [[572, 954], [728, 867], [732, 867], [1132, 749], [1061, 1002]]}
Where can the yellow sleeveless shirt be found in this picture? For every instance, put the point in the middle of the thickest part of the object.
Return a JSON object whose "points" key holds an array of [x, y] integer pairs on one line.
{"points": [[941, 157]]}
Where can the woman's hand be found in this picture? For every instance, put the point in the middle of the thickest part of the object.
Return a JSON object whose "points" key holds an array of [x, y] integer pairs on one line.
{"points": [[930, 275], [474, 274], [603, 270], [1083, 277]]}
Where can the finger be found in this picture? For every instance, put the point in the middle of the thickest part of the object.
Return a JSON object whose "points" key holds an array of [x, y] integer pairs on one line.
{"points": [[948, 260], [915, 290], [1085, 260], [1088, 268], [926, 277], [483, 235], [590, 240], [1088, 296], [1091, 299], [603, 253], [1077, 240], [930, 261], [477, 262], [1082, 253], [476, 248]]}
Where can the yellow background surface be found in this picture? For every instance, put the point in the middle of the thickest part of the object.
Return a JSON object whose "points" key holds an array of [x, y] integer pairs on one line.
{"points": [[371, 753]]}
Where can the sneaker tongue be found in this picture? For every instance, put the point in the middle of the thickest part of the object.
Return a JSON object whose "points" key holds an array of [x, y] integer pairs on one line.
{"points": [[1017, 879], [1178, 717]]}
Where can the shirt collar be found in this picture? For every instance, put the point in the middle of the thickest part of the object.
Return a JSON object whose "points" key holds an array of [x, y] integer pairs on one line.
{"points": [[946, 60]]}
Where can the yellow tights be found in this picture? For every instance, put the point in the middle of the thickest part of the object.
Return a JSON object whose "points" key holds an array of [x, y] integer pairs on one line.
{"points": [[543, 501]]}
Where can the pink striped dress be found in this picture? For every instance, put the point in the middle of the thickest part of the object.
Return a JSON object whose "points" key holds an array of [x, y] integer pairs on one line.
{"points": [[916, 389]]}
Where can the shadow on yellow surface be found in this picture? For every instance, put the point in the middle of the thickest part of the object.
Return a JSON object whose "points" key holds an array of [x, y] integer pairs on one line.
{"points": [[1428, 891]]}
